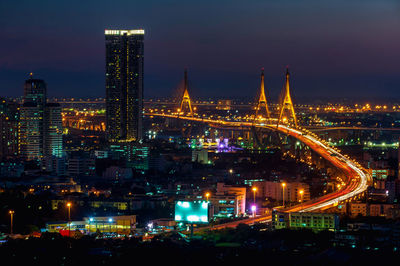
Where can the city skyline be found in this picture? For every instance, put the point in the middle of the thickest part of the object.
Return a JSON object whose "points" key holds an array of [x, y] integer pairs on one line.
{"points": [[280, 142], [347, 47]]}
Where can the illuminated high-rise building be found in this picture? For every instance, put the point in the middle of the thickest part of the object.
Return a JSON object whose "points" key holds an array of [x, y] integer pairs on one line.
{"points": [[32, 125], [40, 125], [53, 130], [124, 84], [35, 91]]}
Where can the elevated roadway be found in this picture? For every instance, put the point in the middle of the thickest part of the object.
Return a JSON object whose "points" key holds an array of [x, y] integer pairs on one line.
{"points": [[356, 178]]}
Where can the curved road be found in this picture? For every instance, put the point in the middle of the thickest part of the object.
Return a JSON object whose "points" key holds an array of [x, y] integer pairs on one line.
{"points": [[357, 178]]}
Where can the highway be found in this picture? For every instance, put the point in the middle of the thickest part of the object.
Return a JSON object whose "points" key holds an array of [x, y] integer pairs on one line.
{"points": [[356, 177]]}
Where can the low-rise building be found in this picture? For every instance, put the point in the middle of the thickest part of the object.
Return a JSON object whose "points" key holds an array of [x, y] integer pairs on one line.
{"points": [[302, 220], [123, 225], [371, 209], [135, 154], [11, 169], [165, 224], [379, 174], [358, 209], [229, 200], [81, 166], [228, 205], [291, 191], [200, 156], [117, 173]]}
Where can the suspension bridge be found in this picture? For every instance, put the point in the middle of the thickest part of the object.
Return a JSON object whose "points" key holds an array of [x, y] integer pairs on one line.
{"points": [[356, 178]]}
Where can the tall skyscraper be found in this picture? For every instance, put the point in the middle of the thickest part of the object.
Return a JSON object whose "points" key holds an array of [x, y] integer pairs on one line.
{"points": [[31, 127], [124, 84], [53, 130], [40, 125]]}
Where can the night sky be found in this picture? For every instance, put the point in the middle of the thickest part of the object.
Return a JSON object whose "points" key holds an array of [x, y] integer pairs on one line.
{"points": [[340, 48]]}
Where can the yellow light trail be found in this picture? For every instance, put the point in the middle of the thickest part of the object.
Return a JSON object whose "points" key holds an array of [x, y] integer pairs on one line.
{"points": [[358, 177]]}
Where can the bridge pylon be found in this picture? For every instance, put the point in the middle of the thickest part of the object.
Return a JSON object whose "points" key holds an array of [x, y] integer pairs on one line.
{"points": [[186, 103], [262, 101], [286, 106]]}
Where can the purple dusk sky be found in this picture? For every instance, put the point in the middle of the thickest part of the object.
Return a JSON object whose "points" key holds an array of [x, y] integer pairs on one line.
{"points": [[342, 48]]}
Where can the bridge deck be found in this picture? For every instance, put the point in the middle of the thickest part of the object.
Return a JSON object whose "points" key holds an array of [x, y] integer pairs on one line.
{"points": [[357, 177]]}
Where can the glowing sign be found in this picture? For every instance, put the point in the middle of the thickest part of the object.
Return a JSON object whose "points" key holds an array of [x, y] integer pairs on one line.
{"points": [[192, 211]]}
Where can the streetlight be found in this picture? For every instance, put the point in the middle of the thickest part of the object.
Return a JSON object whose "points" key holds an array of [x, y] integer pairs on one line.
{"points": [[90, 220], [207, 195], [283, 193], [254, 194], [11, 212], [69, 210], [110, 221], [69, 218], [253, 209], [301, 195]]}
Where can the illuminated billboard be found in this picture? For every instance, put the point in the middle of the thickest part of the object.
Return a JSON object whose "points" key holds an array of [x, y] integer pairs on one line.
{"points": [[192, 211]]}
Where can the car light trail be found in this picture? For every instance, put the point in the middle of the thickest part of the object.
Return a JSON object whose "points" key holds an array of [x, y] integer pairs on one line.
{"points": [[358, 178]]}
